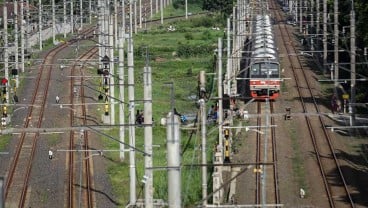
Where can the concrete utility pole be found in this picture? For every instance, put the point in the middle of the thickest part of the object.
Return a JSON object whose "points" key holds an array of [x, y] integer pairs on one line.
{"points": [[156, 6], [90, 11], [71, 17], [64, 16], [2, 201], [336, 47], [140, 14], [130, 19], [116, 35], [40, 23], [100, 29], [300, 16], [27, 25], [123, 22], [131, 122], [16, 40], [352, 65], [81, 13], [202, 104], [122, 99], [325, 37], [22, 36], [318, 18], [186, 9], [135, 16], [148, 189], [219, 154], [228, 64], [173, 160], [6, 49], [112, 70], [220, 93], [53, 22], [161, 12]]}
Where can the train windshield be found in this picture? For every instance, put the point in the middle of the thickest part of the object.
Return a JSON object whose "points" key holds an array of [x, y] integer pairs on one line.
{"points": [[265, 70]]}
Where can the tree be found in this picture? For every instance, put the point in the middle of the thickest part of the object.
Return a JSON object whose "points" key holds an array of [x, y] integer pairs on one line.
{"points": [[225, 7]]}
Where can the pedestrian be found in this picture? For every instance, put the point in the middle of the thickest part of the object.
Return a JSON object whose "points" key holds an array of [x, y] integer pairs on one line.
{"points": [[334, 104], [210, 112], [50, 154], [57, 99]]}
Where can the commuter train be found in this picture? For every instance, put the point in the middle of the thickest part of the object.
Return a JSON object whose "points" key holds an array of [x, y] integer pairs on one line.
{"points": [[260, 64]]}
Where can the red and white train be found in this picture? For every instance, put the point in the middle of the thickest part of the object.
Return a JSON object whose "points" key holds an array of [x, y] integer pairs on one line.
{"points": [[260, 61]]}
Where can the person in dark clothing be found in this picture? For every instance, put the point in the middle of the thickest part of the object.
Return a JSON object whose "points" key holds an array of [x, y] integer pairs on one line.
{"points": [[176, 112], [139, 117]]}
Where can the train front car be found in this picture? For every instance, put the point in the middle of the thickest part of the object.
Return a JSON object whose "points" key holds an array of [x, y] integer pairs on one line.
{"points": [[264, 67]]}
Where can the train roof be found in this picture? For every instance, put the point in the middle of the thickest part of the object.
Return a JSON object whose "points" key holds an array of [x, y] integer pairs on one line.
{"points": [[263, 41]]}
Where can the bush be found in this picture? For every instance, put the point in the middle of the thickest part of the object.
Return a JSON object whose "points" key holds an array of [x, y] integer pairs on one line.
{"points": [[188, 36]]}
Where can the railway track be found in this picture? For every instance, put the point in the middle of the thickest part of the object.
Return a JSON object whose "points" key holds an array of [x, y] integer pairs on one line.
{"points": [[267, 189], [332, 177], [16, 186], [80, 182]]}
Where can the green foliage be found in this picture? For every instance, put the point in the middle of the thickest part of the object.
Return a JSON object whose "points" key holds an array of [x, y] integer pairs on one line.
{"points": [[190, 50], [188, 36], [175, 56], [222, 6], [206, 35]]}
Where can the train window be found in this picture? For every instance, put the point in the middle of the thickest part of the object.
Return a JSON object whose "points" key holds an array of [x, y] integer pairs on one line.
{"points": [[265, 70]]}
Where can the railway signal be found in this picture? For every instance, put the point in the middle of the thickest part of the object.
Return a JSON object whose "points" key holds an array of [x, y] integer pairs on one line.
{"points": [[227, 146], [106, 109], [3, 121], [5, 112]]}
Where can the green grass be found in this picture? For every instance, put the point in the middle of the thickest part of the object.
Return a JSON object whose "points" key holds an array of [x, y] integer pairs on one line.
{"points": [[297, 160], [183, 72]]}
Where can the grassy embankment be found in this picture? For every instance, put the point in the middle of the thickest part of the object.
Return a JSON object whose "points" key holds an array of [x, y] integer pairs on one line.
{"points": [[174, 57]]}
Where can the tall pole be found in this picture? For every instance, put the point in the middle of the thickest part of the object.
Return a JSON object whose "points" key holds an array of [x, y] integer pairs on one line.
{"points": [[336, 47], [116, 35], [220, 91], [140, 13], [228, 64], [325, 36], [112, 70], [90, 11], [204, 150], [53, 21], [16, 37], [40, 23], [2, 201], [131, 122], [81, 13], [148, 196], [318, 18], [186, 9], [156, 6], [130, 19], [122, 99], [123, 25], [27, 26], [161, 12], [173, 160], [135, 16], [300, 16], [64, 18], [71, 17], [22, 35], [6, 49], [352, 65], [100, 29]]}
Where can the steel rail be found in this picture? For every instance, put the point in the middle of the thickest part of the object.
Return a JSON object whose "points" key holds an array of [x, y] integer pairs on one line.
{"points": [[312, 134]]}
